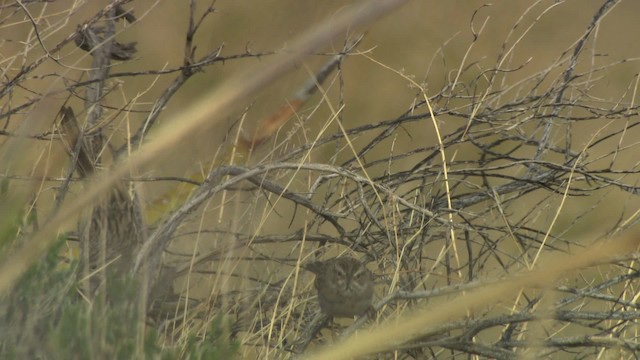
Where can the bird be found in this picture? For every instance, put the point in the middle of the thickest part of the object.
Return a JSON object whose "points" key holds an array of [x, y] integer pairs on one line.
{"points": [[344, 286]]}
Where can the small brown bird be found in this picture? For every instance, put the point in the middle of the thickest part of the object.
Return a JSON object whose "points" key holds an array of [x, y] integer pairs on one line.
{"points": [[344, 285]]}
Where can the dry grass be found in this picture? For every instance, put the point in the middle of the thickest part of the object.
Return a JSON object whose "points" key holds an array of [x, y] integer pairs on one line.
{"points": [[490, 186]]}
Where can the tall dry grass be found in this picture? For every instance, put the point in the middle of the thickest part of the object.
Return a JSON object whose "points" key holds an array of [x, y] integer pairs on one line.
{"points": [[480, 159]]}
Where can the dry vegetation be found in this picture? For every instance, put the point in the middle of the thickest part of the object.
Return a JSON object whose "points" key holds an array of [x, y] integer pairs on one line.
{"points": [[167, 167]]}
